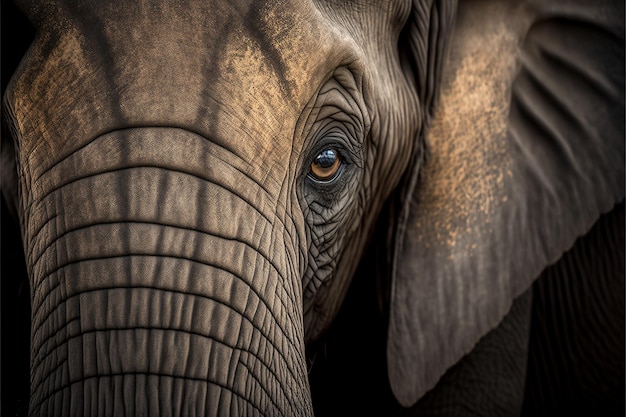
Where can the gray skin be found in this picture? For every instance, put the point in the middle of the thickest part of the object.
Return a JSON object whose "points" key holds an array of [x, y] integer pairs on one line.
{"points": [[182, 247]]}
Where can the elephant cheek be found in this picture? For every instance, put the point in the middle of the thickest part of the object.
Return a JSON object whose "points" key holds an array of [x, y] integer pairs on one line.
{"points": [[157, 291]]}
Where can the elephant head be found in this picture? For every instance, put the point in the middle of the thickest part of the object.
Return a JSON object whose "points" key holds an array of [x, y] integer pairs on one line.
{"points": [[196, 183]]}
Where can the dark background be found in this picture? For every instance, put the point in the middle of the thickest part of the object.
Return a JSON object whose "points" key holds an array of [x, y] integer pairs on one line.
{"points": [[16, 36]]}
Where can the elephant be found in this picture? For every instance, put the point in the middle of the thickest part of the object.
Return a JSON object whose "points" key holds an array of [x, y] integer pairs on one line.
{"points": [[245, 208]]}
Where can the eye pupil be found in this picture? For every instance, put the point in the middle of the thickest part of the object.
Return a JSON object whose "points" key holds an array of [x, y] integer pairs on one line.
{"points": [[325, 165], [326, 158]]}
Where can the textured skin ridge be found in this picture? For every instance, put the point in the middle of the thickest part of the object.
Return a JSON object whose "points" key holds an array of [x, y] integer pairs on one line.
{"points": [[132, 235], [66, 342]]}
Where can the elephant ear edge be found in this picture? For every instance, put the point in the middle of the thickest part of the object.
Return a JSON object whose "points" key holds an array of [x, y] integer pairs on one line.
{"points": [[526, 150]]}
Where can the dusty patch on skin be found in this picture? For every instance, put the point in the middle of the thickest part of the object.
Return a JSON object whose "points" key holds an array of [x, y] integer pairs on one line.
{"points": [[464, 176], [66, 57]]}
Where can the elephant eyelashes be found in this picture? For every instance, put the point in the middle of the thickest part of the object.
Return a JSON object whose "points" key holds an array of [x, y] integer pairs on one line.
{"points": [[325, 166]]}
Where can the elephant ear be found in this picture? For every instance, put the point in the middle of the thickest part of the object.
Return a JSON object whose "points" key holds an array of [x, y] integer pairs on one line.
{"points": [[525, 151]]}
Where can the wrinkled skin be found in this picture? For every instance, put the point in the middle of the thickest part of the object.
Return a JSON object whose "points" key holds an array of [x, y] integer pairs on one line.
{"points": [[175, 195], [196, 185]]}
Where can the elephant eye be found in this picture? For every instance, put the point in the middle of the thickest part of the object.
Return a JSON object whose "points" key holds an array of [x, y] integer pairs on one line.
{"points": [[326, 165]]}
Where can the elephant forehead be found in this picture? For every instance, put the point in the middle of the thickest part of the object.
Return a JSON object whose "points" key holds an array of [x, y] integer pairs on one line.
{"points": [[232, 71], [222, 49]]}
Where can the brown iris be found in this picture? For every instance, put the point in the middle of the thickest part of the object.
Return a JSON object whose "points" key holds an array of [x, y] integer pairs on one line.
{"points": [[325, 165]]}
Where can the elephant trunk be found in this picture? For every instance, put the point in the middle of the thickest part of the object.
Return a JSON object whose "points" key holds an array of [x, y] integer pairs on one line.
{"points": [[162, 284]]}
